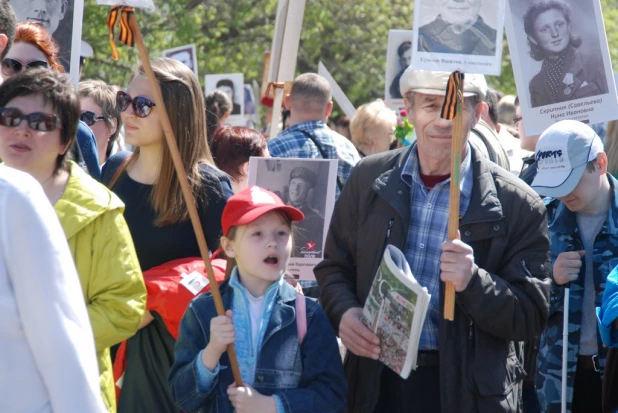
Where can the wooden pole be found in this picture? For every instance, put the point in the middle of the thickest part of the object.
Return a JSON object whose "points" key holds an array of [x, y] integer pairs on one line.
{"points": [[453, 216], [184, 184]]}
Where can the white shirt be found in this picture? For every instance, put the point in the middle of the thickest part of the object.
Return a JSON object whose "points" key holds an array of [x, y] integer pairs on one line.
{"points": [[47, 355]]}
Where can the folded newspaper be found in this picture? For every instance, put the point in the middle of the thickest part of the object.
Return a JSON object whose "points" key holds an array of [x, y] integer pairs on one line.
{"points": [[395, 310]]}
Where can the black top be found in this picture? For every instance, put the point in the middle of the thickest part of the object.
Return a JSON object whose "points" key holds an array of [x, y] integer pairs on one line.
{"points": [[157, 245]]}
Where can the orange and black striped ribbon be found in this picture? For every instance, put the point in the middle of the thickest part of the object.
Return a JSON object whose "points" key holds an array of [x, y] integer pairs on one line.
{"points": [[122, 13], [449, 108]]}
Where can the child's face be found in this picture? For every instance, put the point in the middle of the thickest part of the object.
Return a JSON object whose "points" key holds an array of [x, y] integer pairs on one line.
{"points": [[262, 251]]}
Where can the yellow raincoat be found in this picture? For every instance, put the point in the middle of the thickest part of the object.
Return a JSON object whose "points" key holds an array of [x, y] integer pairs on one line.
{"points": [[109, 272]]}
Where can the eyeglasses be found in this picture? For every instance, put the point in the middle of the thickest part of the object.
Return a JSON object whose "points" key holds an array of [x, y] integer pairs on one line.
{"points": [[141, 106], [517, 120], [11, 67], [38, 121], [90, 118]]}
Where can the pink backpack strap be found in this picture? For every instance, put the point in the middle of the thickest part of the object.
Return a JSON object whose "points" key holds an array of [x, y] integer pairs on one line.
{"points": [[301, 317]]}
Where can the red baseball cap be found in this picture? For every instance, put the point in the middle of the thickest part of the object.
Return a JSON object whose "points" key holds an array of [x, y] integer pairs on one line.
{"points": [[251, 203]]}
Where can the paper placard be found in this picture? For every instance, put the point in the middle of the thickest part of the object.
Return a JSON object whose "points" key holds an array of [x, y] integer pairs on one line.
{"points": [[398, 58], [340, 97], [454, 35], [309, 185], [562, 67], [184, 54], [233, 85], [142, 4]]}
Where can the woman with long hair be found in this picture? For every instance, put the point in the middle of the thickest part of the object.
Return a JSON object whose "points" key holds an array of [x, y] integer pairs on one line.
{"points": [[567, 71], [157, 215], [39, 112]]}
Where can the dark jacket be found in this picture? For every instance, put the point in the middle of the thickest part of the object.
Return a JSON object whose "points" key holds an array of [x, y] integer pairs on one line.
{"points": [[308, 378], [588, 79], [506, 301]]}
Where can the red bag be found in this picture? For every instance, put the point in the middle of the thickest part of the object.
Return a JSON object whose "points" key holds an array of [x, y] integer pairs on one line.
{"points": [[171, 287]]}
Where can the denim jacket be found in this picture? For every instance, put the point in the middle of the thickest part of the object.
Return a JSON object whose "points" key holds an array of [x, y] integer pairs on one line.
{"points": [[307, 378]]}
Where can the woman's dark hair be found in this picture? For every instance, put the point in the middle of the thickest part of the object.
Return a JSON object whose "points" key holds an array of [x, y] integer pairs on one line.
{"points": [[217, 105], [533, 12], [7, 25], [232, 146], [57, 90]]}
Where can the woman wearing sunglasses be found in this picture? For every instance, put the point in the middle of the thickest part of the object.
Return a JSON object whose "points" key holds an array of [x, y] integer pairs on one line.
{"points": [[100, 112], [39, 113], [157, 215], [33, 48]]}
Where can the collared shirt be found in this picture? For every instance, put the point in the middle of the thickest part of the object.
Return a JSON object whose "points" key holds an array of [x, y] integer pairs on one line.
{"points": [[294, 143], [426, 233]]}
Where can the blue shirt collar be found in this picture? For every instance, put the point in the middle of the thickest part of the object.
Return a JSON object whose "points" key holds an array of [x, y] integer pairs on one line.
{"points": [[286, 292]]}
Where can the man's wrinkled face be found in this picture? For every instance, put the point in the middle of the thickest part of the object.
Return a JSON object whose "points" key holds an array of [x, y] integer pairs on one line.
{"points": [[460, 11], [47, 13]]}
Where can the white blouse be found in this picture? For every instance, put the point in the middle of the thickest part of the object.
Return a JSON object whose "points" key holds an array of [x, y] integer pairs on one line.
{"points": [[47, 355]]}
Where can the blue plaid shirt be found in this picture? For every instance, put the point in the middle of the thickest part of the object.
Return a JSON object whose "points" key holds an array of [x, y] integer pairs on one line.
{"points": [[291, 143], [426, 233]]}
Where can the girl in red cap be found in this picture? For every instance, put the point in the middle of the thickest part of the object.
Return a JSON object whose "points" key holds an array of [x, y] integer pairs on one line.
{"points": [[283, 370]]}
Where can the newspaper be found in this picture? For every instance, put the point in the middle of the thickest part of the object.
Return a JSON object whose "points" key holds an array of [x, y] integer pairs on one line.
{"points": [[395, 310]]}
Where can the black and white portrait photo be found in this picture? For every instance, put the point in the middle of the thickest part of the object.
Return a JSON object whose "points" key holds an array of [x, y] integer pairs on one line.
{"points": [[306, 184], [398, 58], [470, 29], [58, 17], [233, 85], [562, 57], [185, 54]]}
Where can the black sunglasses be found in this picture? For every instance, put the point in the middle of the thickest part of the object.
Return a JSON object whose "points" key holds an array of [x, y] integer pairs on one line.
{"points": [[38, 121], [141, 106], [11, 67], [90, 118]]}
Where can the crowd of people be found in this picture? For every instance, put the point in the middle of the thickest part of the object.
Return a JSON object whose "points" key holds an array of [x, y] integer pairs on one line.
{"points": [[103, 307]]}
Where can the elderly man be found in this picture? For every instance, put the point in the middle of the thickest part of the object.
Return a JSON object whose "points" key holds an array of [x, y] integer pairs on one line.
{"points": [[458, 29], [499, 267], [309, 233], [308, 136]]}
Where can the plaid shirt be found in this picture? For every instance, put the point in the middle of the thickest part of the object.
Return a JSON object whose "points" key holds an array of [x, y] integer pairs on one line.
{"points": [[426, 233], [292, 143]]}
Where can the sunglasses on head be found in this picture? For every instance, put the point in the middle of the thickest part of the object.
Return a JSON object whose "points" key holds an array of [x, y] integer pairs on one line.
{"points": [[11, 67], [38, 121], [141, 106], [90, 118]]}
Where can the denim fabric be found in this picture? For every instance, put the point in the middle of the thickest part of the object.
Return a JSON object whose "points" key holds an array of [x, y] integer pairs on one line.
{"points": [[88, 146], [307, 378]]}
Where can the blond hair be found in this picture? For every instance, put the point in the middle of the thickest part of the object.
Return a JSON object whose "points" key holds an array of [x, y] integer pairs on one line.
{"points": [[368, 116]]}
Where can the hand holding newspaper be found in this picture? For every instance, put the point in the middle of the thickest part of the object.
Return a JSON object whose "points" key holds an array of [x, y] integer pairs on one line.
{"points": [[395, 311]]}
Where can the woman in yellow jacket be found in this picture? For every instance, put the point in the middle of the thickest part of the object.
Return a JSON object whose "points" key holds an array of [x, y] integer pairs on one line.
{"points": [[39, 112]]}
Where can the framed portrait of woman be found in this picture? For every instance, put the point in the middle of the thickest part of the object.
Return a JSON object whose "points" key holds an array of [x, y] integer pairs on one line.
{"points": [[561, 62]]}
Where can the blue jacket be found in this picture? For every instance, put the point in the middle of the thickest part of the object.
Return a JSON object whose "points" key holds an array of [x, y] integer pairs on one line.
{"points": [[608, 312], [564, 233], [88, 147], [307, 378]]}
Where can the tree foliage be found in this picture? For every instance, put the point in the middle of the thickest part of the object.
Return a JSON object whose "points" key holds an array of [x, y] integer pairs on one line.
{"points": [[231, 36]]}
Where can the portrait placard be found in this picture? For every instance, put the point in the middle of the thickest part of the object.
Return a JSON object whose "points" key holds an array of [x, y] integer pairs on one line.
{"points": [[561, 62], [184, 54], [309, 185], [398, 58], [454, 35], [233, 85], [63, 20]]}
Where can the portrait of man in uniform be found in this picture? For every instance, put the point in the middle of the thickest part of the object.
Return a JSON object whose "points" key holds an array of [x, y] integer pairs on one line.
{"points": [[185, 55], [308, 233], [458, 28]]}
